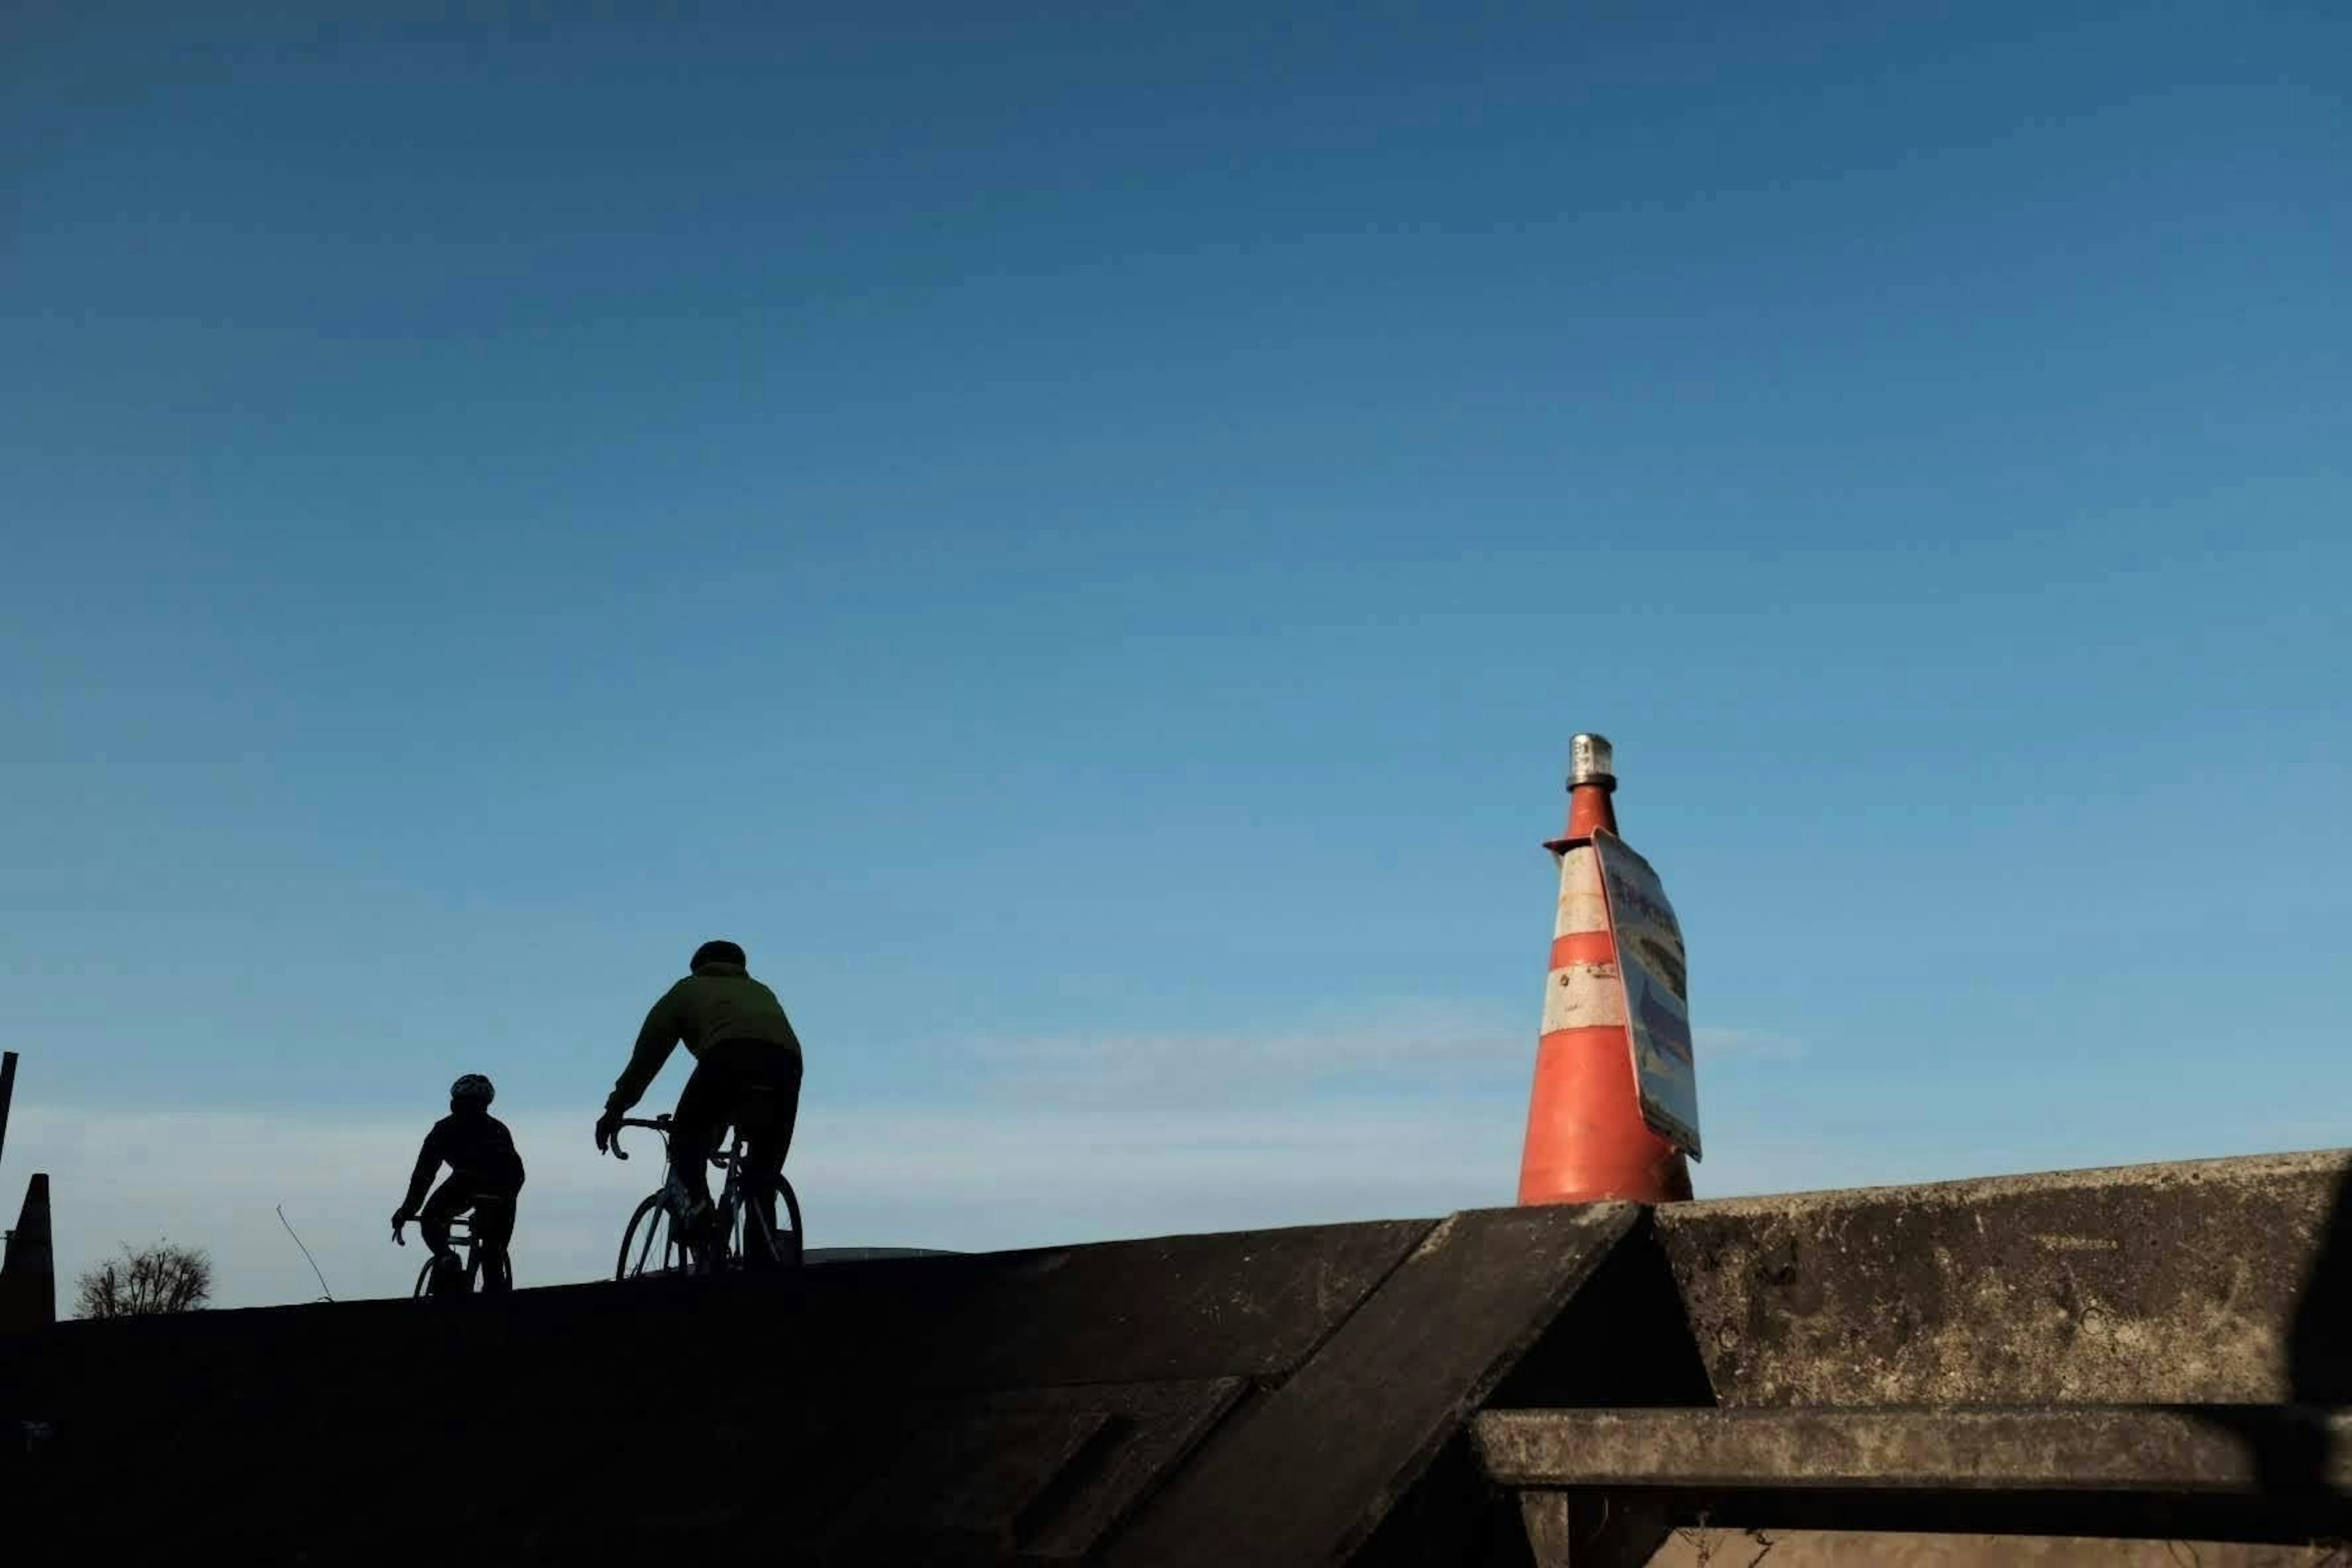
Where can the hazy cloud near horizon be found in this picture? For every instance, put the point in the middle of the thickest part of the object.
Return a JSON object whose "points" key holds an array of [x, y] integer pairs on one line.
{"points": [[876, 1175], [1417, 1109]]}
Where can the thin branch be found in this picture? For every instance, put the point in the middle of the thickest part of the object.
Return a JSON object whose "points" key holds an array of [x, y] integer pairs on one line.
{"points": [[306, 1252]]}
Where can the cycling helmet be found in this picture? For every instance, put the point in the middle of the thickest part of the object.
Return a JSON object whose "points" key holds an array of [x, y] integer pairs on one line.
{"points": [[717, 952], [473, 1085]]}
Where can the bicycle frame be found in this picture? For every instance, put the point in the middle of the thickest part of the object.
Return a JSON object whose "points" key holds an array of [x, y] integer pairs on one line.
{"points": [[476, 1253], [729, 1202]]}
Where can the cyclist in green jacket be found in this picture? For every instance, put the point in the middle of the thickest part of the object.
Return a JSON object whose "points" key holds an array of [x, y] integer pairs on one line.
{"points": [[740, 1040]]}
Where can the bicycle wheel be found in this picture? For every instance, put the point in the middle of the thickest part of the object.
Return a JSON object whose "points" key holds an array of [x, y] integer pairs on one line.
{"points": [[647, 1241], [466, 1274], [789, 1249]]}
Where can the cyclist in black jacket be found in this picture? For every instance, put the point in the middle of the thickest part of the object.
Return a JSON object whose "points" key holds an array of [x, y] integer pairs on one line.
{"points": [[485, 1176]]}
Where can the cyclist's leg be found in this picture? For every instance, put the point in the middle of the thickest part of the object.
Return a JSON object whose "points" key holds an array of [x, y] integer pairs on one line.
{"points": [[694, 1127], [448, 1201], [494, 1220], [767, 1144]]}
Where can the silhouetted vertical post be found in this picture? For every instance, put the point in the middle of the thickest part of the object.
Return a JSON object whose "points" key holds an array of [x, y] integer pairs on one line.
{"points": [[28, 1284], [7, 1093], [28, 1281]]}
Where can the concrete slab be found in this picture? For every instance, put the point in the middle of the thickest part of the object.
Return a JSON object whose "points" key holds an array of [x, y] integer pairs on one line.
{"points": [[1027, 1401], [2223, 1281], [1311, 1470], [2173, 1450]]}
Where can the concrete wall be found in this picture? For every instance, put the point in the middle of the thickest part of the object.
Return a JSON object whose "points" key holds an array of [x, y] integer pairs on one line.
{"points": [[1278, 1396], [2204, 1281], [921, 1407]]}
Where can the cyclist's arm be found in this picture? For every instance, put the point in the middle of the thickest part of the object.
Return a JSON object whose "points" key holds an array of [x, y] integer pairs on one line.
{"points": [[654, 1042], [428, 1161]]}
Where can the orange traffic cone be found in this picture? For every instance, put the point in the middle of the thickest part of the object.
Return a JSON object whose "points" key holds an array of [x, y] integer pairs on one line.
{"points": [[1586, 1138]]}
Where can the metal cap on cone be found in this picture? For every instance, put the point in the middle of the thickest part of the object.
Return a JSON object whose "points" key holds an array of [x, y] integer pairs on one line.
{"points": [[1592, 761]]}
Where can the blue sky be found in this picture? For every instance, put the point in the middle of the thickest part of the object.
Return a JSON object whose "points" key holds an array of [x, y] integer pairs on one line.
{"points": [[1080, 534]]}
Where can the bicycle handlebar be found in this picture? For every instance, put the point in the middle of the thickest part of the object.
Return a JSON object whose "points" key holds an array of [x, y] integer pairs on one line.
{"points": [[660, 1124], [456, 1220], [656, 1123]]}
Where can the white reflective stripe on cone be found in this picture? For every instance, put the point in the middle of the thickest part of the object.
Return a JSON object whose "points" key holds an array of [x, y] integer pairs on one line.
{"points": [[1584, 997]]}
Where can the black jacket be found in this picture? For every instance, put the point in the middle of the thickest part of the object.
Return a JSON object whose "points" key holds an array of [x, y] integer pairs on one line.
{"points": [[472, 1143]]}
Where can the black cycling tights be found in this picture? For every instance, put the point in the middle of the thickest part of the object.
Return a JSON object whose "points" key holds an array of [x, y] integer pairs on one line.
{"points": [[709, 1104], [494, 1218]]}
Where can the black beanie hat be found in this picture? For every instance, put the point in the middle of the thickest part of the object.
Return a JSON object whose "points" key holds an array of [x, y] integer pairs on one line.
{"points": [[718, 953]]}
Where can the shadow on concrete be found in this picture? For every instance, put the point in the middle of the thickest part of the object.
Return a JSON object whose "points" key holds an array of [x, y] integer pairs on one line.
{"points": [[2293, 1445], [2319, 1349], [1624, 1339]]}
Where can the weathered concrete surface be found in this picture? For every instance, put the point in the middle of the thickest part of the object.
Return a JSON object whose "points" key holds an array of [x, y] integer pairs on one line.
{"points": [[2176, 1450], [1315, 1468], [2216, 1280], [1707, 1548]]}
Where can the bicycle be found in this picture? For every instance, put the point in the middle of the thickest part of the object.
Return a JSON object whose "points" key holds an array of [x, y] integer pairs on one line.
{"points": [[481, 1258], [739, 1222]]}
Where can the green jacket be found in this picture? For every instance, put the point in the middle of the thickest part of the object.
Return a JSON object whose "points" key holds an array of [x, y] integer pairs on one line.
{"points": [[717, 1002]]}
